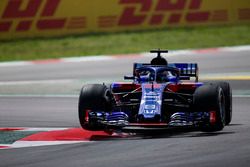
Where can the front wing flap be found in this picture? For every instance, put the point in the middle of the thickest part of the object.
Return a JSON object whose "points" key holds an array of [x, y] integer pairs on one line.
{"points": [[120, 120]]}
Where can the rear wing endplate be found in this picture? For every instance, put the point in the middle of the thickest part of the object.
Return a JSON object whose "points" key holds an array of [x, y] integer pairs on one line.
{"points": [[187, 69]]}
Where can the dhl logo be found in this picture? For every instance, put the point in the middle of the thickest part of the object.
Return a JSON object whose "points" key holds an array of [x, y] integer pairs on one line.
{"points": [[152, 13], [47, 17], [26, 10], [138, 12]]}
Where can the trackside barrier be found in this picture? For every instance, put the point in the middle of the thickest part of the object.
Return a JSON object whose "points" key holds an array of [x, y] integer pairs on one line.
{"points": [[42, 18]]}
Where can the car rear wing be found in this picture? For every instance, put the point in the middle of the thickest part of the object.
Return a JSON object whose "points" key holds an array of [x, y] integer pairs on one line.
{"points": [[187, 70]]}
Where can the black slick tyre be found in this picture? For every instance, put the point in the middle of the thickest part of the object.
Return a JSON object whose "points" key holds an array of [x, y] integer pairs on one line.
{"points": [[93, 97], [228, 99], [211, 99]]}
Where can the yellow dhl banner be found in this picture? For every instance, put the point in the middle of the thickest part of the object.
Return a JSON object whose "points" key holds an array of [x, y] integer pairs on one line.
{"points": [[41, 18]]}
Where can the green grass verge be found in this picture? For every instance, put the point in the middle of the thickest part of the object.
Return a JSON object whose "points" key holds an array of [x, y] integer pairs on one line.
{"points": [[120, 43]]}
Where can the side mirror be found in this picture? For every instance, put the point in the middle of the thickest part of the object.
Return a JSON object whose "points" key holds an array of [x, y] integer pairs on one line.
{"points": [[126, 77]]}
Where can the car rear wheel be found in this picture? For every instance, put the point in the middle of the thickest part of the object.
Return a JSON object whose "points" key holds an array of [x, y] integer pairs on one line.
{"points": [[211, 99], [93, 97]]}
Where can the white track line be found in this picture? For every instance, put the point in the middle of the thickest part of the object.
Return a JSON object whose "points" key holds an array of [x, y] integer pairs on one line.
{"points": [[25, 129], [20, 144], [113, 57], [86, 59], [36, 82], [40, 95]]}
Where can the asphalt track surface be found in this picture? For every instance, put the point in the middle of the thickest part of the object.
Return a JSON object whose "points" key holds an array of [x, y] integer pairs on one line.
{"points": [[46, 96]]}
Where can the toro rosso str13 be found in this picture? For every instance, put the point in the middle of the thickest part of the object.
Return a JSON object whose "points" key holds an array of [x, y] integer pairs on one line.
{"points": [[161, 95]]}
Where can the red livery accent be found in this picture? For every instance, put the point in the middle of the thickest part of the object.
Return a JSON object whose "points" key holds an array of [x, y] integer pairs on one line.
{"points": [[154, 85], [87, 115], [188, 86], [213, 117], [181, 86], [126, 86]]}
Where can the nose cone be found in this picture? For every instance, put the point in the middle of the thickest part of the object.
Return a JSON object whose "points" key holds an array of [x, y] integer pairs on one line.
{"points": [[150, 107]]}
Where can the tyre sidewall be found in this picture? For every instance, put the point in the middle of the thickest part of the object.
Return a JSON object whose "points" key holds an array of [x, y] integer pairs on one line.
{"points": [[209, 98]]}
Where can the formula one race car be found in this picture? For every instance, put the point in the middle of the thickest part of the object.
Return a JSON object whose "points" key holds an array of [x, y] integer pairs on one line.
{"points": [[161, 95]]}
